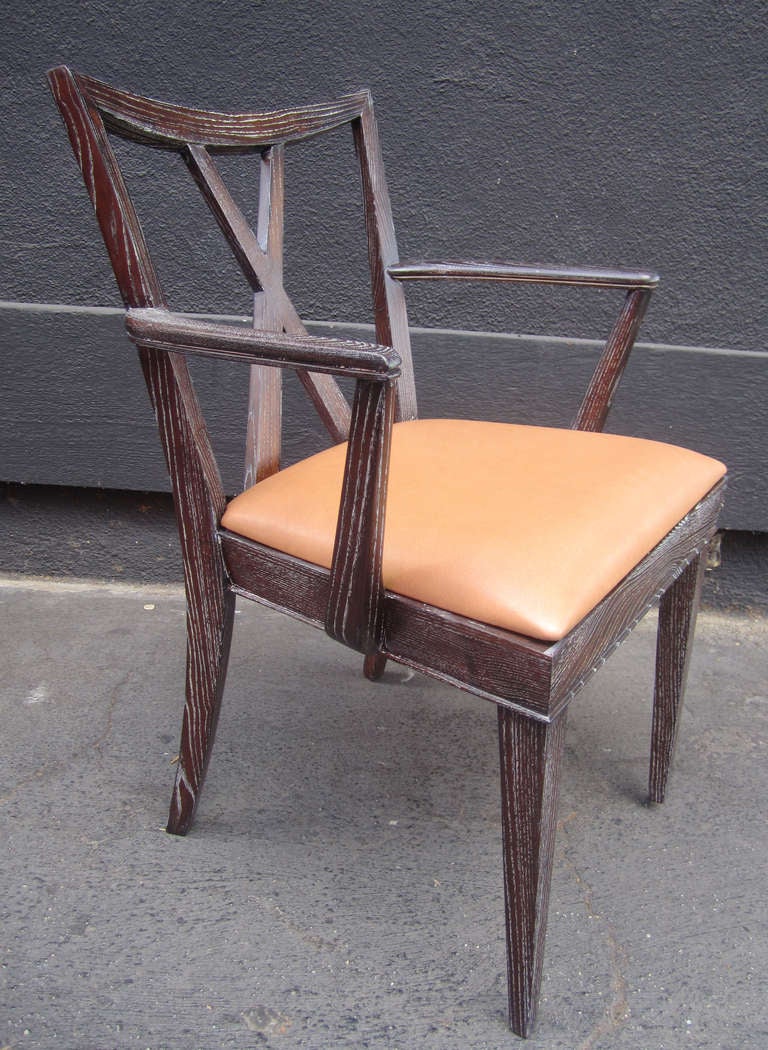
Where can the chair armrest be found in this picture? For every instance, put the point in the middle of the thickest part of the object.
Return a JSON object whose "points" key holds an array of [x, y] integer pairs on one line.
{"points": [[354, 608], [637, 286], [523, 273], [162, 330]]}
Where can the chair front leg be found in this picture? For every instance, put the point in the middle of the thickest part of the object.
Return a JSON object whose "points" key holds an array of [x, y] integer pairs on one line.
{"points": [[677, 621], [531, 756]]}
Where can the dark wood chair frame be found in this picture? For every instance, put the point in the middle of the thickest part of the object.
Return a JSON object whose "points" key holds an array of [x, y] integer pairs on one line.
{"points": [[531, 682]]}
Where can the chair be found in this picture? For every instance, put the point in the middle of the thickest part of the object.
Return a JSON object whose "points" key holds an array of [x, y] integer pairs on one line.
{"points": [[507, 560]]}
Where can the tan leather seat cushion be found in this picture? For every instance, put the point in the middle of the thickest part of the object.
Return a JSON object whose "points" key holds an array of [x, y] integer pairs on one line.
{"points": [[526, 528]]}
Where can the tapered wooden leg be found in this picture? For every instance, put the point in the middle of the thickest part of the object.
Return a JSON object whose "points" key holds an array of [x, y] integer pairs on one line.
{"points": [[531, 756], [373, 666], [677, 621], [209, 633], [199, 500]]}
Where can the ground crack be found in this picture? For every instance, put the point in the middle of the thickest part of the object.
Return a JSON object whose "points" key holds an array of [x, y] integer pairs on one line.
{"points": [[308, 938], [617, 1011], [58, 765]]}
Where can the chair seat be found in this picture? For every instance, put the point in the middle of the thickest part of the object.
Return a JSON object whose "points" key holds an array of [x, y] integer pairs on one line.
{"points": [[494, 521]]}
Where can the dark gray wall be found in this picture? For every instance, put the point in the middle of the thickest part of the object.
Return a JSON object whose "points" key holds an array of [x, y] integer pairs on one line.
{"points": [[95, 428], [596, 133]]}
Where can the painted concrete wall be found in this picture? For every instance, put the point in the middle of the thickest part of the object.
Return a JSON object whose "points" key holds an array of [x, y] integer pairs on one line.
{"points": [[624, 134]]}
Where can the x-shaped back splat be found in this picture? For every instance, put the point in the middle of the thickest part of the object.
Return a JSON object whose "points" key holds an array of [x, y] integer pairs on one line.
{"points": [[260, 257]]}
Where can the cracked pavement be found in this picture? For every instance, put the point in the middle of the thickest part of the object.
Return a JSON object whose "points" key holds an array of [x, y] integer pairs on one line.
{"points": [[342, 884]]}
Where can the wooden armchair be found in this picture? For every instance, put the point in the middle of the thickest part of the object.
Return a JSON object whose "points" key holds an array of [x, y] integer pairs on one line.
{"points": [[507, 560]]}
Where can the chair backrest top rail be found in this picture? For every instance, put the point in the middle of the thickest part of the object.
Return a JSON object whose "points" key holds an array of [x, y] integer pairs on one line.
{"points": [[169, 126]]}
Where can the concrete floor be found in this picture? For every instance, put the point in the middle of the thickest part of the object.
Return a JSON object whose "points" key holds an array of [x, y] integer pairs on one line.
{"points": [[342, 884]]}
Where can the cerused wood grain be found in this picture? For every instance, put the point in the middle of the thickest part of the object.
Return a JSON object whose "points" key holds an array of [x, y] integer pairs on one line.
{"points": [[531, 682]]}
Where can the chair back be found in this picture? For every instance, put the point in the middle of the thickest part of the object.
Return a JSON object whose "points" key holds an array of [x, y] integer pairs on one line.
{"points": [[92, 111]]}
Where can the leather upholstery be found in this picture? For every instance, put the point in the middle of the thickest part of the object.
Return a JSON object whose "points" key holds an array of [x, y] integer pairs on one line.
{"points": [[525, 528]]}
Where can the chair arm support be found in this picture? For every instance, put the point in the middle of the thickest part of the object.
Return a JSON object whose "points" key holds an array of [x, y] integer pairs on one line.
{"points": [[354, 612], [162, 330], [597, 401], [523, 273]]}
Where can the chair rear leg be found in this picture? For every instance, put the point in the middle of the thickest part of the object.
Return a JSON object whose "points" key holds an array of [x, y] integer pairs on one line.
{"points": [[677, 621], [373, 666], [209, 634], [531, 757]]}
